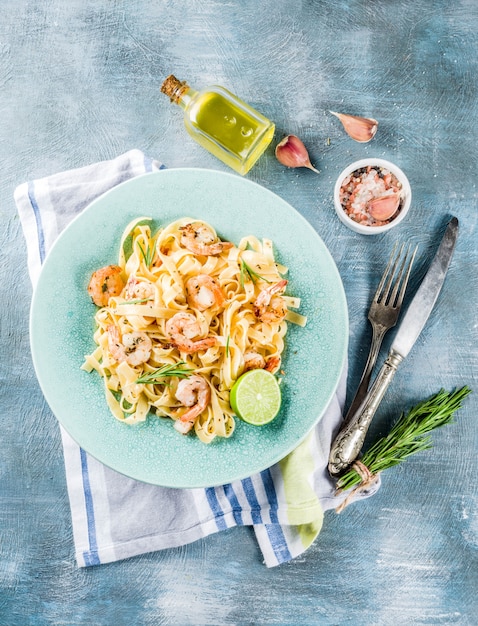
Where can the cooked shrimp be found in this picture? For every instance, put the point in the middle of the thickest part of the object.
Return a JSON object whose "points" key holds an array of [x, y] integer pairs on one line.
{"points": [[134, 348], [105, 283], [195, 393], [255, 361], [200, 239], [183, 328], [204, 292], [270, 307], [138, 289]]}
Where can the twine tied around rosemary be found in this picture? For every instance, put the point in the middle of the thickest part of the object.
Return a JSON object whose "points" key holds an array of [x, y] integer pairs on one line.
{"points": [[409, 435], [368, 479]]}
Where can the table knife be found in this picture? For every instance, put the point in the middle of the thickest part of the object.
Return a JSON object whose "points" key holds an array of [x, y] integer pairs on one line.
{"points": [[348, 443]]}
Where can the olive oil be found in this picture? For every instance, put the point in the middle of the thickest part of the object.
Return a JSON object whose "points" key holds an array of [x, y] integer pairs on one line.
{"points": [[219, 121]]}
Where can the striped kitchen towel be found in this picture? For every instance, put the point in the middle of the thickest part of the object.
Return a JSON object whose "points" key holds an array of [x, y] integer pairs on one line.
{"points": [[114, 517]]}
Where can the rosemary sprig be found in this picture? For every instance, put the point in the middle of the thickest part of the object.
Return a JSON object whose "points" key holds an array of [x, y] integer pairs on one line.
{"points": [[247, 273], [409, 435], [170, 369]]}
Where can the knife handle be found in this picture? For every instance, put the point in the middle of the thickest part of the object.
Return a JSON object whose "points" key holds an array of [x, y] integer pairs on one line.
{"points": [[348, 443]]}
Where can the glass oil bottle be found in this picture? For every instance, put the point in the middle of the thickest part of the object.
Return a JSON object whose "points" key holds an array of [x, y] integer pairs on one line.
{"points": [[219, 121]]}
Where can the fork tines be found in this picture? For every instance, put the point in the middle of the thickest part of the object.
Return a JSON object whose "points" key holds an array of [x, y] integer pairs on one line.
{"points": [[395, 297]]}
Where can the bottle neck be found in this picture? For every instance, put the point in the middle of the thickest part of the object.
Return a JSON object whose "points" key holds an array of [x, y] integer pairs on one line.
{"points": [[184, 98], [178, 91]]}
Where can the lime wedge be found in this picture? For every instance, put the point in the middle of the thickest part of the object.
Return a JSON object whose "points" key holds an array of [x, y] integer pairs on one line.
{"points": [[255, 397]]}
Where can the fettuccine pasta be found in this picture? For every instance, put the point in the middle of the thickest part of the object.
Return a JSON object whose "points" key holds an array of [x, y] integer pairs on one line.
{"points": [[181, 317]]}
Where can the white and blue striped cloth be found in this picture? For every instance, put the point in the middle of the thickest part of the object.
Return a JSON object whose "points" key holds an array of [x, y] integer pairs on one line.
{"points": [[114, 517]]}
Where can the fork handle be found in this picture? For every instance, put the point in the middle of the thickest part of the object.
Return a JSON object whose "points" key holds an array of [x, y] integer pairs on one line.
{"points": [[348, 443], [378, 333]]}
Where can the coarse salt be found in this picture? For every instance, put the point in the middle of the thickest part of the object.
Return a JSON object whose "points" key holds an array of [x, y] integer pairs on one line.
{"points": [[364, 185]]}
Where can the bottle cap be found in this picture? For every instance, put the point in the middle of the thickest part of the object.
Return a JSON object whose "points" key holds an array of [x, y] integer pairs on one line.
{"points": [[173, 88]]}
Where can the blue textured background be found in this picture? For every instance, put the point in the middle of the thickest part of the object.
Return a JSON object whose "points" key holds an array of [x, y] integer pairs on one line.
{"points": [[79, 82]]}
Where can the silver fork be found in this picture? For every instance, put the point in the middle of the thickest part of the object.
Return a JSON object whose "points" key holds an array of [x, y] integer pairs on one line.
{"points": [[384, 312], [383, 315]]}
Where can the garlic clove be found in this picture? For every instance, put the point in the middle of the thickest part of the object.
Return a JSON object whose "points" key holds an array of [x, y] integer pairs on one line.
{"points": [[384, 207], [361, 129], [291, 152]]}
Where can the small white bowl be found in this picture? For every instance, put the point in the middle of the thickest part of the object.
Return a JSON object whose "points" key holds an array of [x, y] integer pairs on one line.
{"points": [[406, 197]]}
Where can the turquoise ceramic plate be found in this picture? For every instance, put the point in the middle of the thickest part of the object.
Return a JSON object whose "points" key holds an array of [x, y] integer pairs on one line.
{"points": [[62, 328]]}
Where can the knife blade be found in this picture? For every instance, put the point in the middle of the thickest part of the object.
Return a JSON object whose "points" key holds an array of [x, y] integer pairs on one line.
{"points": [[348, 443], [424, 300]]}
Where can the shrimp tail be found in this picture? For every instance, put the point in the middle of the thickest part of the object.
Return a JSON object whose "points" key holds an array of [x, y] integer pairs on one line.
{"points": [[266, 294], [183, 427], [278, 287], [191, 414], [272, 364]]}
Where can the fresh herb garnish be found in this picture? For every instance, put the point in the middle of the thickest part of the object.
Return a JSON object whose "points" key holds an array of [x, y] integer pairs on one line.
{"points": [[148, 256], [135, 301], [227, 345], [128, 241], [408, 436], [247, 273], [168, 370]]}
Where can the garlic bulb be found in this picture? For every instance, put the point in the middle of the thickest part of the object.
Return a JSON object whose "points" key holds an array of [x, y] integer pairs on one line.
{"points": [[291, 152], [361, 129]]}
